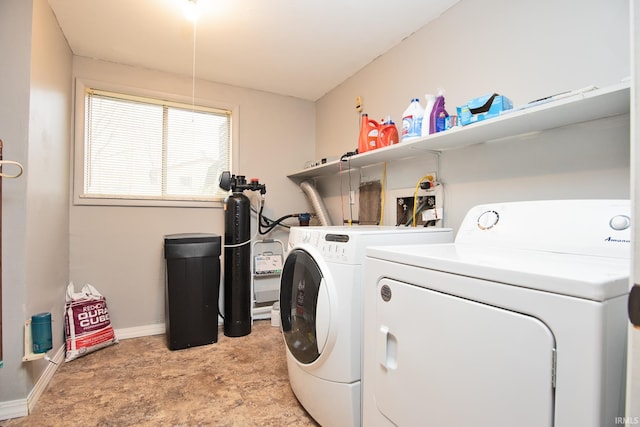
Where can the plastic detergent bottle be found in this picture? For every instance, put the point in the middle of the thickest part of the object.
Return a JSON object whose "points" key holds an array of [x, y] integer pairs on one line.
{"points": [[412, 120], [438, 115], [388, 133], [426, 118], [368, 134]]}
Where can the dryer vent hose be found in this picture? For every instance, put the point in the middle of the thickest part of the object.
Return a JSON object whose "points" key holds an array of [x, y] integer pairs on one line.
{"points": [[316, 202]]}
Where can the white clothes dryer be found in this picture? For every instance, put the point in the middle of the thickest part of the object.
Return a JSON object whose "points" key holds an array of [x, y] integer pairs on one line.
{"points": [[521, 321], [321, 313]]}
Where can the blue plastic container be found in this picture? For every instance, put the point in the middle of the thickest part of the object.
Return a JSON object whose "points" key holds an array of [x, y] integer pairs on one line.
{"points": [[41, 332]]}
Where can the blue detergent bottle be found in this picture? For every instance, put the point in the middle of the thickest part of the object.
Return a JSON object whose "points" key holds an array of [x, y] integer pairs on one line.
{"points": [[412, 120]]}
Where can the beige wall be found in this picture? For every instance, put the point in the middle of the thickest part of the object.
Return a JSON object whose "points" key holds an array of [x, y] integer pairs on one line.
{"points": [[35, 119], [15, 48], [47, 233], [119, 250], [48, 241], [524, 50]]}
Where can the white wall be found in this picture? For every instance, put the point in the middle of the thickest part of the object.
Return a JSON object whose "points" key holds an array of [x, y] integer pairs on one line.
{"points": [[119, 250], [15, 48], [47, 233], [524, 50], [35, 124]]}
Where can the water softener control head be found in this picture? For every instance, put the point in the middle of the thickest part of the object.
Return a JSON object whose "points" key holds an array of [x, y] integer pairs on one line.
{"points": [[239, 183]]}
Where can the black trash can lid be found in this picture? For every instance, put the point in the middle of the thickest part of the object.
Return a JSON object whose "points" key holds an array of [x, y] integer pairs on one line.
{"points": [[192, 245], [191, 238]]}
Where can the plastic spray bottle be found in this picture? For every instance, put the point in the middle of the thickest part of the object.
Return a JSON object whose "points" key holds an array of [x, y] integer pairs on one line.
{"points": [[438, 114], [426, 118], [412, 120]]}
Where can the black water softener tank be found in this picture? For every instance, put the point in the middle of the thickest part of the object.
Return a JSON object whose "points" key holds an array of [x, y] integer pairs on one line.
{"points": [[237, 267], [237, 253]]}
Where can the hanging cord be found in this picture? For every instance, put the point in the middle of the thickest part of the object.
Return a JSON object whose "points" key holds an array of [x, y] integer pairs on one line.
{"points": [[346, 157], [193, 64], [350, 190], [350, 220]]}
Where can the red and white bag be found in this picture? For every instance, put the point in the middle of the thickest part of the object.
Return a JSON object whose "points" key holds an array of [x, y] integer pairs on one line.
{"points": [[86, 322]]}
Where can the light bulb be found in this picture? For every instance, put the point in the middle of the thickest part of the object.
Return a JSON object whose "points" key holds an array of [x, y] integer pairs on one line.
{"points": [[191, 10]]}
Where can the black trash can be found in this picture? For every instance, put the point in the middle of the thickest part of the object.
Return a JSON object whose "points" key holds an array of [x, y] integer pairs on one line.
{"points": [[192, 289]]}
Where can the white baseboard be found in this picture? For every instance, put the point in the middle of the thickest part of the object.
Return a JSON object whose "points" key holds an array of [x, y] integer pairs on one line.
{"points": [[44, 379], [13, 409], [140, 331], [22, 407], [153, 329]]}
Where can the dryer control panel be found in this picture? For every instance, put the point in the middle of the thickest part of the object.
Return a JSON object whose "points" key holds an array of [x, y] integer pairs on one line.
{"points": [[346, 245], [581, 227]]}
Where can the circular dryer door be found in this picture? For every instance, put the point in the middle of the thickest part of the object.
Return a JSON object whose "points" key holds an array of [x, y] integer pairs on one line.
{"points": [[304, 306]]}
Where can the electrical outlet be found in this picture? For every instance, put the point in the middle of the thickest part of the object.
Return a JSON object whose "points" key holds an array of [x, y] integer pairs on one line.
{"points": [[358, 104], [428, 182]]}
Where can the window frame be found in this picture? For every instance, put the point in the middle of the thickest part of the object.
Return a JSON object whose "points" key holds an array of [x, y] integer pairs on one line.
{"points": [[78, 163]]}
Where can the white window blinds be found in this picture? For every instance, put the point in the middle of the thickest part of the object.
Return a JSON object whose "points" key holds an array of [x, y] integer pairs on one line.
{"points": [[143, 148]]}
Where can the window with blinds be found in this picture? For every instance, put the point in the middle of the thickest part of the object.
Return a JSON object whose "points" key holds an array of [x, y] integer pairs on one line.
{"points": [[151, 149]]}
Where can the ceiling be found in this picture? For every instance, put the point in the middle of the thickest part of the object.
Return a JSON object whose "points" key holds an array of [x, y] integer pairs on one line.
{"points": [[298, 48]]}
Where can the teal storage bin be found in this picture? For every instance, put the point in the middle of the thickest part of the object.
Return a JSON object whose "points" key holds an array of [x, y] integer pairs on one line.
{"points": [[41, 332]]}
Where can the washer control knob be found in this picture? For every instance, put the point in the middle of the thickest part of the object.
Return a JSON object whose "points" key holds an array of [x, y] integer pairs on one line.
{"points": [[488, 219], [620, 222]]}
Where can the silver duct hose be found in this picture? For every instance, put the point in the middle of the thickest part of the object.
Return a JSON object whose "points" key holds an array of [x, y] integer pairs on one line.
{"points": [[316, 202]]}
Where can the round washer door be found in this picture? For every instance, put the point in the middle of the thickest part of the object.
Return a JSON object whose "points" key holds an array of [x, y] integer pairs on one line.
{"points": [[304, 306]]}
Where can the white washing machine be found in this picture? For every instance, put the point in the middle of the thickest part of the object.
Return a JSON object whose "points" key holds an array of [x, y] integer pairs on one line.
{"points": [[521, 321], [321, 313]]}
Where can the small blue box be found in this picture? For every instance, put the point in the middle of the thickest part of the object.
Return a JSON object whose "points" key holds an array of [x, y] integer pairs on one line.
{"points": [[482, 108]]}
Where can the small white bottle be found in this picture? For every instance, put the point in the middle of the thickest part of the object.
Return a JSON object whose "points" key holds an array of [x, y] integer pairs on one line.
{"points": [[412, 120], [426, 118]]}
